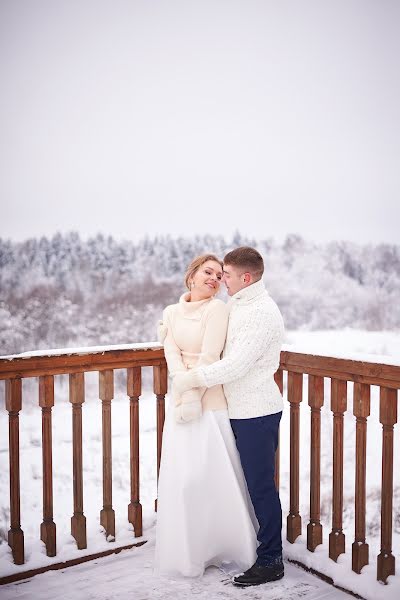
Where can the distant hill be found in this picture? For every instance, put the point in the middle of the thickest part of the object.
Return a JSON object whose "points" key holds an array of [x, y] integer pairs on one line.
{"points": [[65, 291]]}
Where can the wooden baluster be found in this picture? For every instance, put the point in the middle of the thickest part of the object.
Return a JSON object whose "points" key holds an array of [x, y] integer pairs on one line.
{"points": [[77, 398], [106, 393], [295, 392], [134, 390], [388, 417], [361, 410], [279, 382], [13, 394], [338, 407], [46, 402], [315, 401], [160, 386]]}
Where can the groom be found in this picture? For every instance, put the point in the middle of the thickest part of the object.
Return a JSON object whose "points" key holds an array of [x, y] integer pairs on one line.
{"points": [[250, 359]]}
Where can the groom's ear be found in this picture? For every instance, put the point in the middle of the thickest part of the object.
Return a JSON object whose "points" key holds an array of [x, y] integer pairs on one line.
{"points": [[247, 278]]}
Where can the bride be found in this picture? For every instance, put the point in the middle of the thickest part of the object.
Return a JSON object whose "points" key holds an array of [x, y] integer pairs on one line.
{"points": [[204, 513]]}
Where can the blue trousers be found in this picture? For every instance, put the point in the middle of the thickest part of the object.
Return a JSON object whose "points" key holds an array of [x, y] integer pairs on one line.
{"points": [[257, 441]]}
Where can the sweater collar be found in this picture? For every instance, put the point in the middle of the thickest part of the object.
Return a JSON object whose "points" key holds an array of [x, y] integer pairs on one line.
{"points": [[248, 293], [192, 310]]}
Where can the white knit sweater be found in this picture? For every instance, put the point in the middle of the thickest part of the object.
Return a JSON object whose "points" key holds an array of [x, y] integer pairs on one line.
{"points": [[251, 355]]}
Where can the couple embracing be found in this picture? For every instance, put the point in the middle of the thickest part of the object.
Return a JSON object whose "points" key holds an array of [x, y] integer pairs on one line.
{"points": [[217, 500]]}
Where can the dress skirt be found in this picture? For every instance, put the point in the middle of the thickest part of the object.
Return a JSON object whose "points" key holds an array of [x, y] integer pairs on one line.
{"points": [[204, 513]]}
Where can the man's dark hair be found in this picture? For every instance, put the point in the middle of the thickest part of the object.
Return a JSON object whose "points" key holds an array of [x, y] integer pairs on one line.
{"points": [[246, 259]]}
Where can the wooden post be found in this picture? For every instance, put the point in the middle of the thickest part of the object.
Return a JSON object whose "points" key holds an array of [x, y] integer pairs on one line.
{"points": [[134, 390], [13, 405], [77, 398], [279, 382], [315, 401], [361, 410], [295, 392], [338, 407], [106, 393], [388, 417], [46, 402], [160, 387]]}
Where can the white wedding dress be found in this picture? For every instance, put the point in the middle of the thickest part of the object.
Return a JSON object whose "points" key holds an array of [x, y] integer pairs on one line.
{"points": [[204, 513]]}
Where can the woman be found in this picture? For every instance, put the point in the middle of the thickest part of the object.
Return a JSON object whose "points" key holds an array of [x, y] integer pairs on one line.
{"points": [[204, 515]]}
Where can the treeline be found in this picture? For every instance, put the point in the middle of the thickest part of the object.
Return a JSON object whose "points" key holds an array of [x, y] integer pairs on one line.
{"points": [[65, 291]]}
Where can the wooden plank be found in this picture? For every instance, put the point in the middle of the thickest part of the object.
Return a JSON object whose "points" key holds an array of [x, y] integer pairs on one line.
{"points": [[361, 410], [315, 401], [15, 533], [324, 577], [340, 368], [343, 376], [77, 398], [63, 565], [106, 394], [134, 390], [160, 387], [295, 392], [324, 366], [76, 363], [388, 418], [338, 407], [46, 402]]}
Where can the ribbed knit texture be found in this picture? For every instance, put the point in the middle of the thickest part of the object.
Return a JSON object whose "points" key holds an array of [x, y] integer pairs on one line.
{"points": [[195, 335], [251, 355]]}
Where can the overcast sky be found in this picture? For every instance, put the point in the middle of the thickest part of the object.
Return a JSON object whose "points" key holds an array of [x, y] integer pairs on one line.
{"points": [[181, 117]]}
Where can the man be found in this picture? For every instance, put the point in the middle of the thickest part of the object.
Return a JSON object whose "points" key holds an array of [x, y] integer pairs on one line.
{"points": [[250, 359]]}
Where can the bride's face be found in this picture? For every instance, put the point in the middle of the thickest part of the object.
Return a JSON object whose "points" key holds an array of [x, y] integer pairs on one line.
{"points": [[207, 279]]}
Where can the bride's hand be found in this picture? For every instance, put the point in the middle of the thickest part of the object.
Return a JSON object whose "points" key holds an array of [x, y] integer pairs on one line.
{"points": [[190, 407], [184, 381]]}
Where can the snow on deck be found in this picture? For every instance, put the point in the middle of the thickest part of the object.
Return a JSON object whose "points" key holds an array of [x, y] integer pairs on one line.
{"points": [[129, 575]]}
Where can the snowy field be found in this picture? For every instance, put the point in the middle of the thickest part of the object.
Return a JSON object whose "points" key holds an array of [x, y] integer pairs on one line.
{"points": [[348, 343]]}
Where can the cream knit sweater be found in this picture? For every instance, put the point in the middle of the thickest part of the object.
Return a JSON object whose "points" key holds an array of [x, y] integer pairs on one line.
{"points": [[195, 335], [251, 355]]}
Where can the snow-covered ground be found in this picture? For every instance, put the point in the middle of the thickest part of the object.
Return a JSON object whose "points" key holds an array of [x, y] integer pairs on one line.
{"points": [[129, 575], [338, 343], [369, 346]]}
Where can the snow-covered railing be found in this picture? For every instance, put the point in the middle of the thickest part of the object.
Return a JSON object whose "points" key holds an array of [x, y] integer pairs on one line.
{"points": [[75, 362]]}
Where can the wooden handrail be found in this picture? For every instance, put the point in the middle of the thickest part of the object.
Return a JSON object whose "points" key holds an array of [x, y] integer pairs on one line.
{"points": [[20, 366], [342, 368], [16, 366]]}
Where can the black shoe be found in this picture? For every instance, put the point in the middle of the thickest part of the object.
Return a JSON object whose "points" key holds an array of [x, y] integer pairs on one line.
{"points": [[258, 574]]}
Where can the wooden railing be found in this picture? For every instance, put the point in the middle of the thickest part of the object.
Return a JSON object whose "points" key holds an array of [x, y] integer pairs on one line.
{"points": [[339, 371], [75, 365], [363, 375]]}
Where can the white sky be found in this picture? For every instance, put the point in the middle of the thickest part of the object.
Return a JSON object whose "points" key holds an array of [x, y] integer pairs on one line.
{"points": [[181, 117]]}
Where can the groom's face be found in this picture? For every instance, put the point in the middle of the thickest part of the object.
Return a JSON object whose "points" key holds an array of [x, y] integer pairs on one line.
{"points": [[233, 279]]}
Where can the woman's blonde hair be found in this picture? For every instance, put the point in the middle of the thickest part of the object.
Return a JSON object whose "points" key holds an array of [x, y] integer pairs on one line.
{"points": [[196, 264]]}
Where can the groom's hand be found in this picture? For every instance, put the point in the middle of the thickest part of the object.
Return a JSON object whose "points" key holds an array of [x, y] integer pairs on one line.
{"points": [[185, 381]]}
